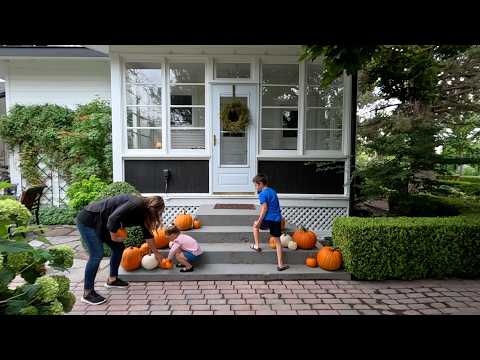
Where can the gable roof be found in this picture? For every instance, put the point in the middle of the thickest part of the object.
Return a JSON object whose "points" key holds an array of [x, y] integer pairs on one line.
{"points": [[49, 51]]}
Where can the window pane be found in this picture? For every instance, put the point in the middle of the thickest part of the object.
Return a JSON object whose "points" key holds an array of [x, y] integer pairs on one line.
{"points": [[233, 148], [325, 97], [314, 74], [231, 70], [323, 140], [280, 118], [187, 73], [187, 117], [144, 138], [187, 95], [279, 139], [139, 116], [187, 139], [279, 96], [285, 74], [148, 73], [324, 118], [144, 95]]}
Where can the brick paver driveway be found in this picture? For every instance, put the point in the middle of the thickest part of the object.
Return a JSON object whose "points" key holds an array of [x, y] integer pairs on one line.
{"points": [[322, 297], [288, 297]]}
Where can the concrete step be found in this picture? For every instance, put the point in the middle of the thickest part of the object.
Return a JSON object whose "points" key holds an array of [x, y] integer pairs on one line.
{"points": [[240, 253], [216, 234], [235, 272], [209, 216]]}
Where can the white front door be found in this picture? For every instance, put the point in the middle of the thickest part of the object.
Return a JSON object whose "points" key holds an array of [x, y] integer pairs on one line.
{"points": [[234, 163]]}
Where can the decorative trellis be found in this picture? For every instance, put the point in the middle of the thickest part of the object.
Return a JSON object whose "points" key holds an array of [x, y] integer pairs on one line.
{"points": [[47, 174], [172, 211], [314, 218]]}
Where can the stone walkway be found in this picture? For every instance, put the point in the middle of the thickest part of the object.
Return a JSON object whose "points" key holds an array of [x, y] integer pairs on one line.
{"points": [[303, 297]]}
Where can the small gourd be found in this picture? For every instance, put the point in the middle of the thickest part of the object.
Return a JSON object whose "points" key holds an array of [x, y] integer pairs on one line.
{"points": [[166, 264], [292, 245], [272, 243], [285, 239], [149, 262]]}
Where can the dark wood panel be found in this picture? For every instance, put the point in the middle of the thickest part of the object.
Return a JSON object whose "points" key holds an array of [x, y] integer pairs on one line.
{"points": [[186, 176], [296, 177]]}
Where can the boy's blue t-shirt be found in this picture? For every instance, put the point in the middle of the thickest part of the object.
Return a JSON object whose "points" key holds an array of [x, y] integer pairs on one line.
{"points": [[269, 196]]}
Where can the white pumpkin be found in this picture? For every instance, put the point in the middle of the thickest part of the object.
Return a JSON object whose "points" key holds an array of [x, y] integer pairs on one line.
{"points": [[292, 245], [149, 262], [285, 239]]}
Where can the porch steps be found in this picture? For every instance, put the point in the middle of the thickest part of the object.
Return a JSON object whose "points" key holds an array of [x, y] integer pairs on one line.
{"points": [[224, 237], [220, 234], [236, 272], [240, 253]]}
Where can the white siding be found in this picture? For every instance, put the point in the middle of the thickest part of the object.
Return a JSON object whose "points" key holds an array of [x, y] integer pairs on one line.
{"points": [[61, 82]]}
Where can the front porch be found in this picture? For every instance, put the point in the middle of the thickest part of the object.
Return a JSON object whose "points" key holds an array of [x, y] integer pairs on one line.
{"points": [[225, 236]]}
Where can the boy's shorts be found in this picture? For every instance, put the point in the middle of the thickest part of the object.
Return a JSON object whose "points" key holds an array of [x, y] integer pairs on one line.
{"points": [[275, 227], [190, 257]]}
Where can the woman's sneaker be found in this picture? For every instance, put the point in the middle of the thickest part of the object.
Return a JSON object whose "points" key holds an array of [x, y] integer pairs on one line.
{"points": [[119, 284], [93, 298]]}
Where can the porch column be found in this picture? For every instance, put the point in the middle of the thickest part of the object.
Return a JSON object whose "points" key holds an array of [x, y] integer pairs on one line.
{"points": [[117, 123], [353, 137]]}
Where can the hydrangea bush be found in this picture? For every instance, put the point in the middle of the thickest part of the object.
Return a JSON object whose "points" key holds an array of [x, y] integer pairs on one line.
{"points": [[41, 294]]}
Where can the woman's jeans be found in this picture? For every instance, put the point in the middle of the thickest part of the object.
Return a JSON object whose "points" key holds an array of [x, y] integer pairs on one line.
{"points": [[95, 248]]}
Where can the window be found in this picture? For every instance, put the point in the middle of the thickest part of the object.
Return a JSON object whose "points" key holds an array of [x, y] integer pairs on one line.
{"points": [[144, 105], [324, 112], [232, 71], [187, 105], [279, 115]]}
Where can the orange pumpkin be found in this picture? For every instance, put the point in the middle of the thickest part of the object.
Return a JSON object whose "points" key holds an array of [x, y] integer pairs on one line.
{"points": [[304, 238], [311, 262], [145, 249], [122, 232], [131, 258], [166, 263], [184, 221], [196, 224], [159, 238], [329, 258], [272, 243]]}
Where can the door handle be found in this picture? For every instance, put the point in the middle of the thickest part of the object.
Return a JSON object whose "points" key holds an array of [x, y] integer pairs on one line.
{"points": [[214, 140]]}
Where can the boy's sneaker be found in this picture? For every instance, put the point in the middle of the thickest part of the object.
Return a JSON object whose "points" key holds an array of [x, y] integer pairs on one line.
{"points": [[119, 284], [93, 298]]}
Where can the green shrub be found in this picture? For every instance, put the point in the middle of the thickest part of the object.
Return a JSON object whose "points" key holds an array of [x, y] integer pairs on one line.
{"points": [[409, 248], [420, 205], [83, 192], [53, 215], [13, 212], [470, 179], [469, 188], [117, 188]]}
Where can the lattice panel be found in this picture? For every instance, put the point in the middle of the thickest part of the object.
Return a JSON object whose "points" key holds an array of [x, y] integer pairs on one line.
{"points": [[314, 218], [62, 191], [172, 211], [47, 174]]}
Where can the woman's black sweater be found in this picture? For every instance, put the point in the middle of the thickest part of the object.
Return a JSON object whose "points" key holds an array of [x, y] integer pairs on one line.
{"points": [[111, 214]]}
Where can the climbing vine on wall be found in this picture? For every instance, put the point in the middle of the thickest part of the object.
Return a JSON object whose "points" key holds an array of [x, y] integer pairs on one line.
{"points": [[76, 143]]}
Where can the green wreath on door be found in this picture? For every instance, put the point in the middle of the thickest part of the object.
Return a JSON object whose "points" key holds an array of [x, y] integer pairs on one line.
{"points": [[235, 116]]}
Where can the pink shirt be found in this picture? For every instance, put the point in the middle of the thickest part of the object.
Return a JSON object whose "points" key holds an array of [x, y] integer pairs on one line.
{"points": [[185, 243]]}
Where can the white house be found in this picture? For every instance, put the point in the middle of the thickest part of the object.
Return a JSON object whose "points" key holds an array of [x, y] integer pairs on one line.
{"points": [[166, 103]]}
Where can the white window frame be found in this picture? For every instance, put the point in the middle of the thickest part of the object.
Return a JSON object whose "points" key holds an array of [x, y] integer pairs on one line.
{"points": [[274, 60], [344, 150], [187, 152], [126, 150]]}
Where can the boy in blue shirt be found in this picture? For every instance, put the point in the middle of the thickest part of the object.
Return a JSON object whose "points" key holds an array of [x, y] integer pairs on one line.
{"points": [[270, 217]]}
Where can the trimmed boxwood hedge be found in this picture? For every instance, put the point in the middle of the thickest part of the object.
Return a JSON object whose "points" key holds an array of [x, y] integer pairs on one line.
{"points": [[469, 188], [470, 179], [409, 248]]}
